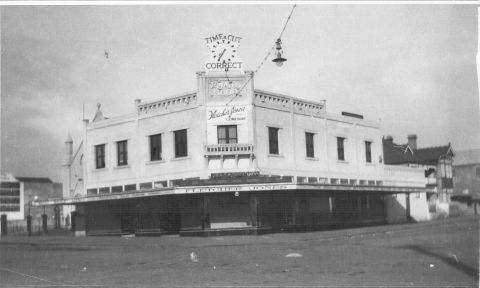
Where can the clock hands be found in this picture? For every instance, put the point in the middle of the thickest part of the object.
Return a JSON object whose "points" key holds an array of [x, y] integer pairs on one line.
{"points": [[221, 54]]}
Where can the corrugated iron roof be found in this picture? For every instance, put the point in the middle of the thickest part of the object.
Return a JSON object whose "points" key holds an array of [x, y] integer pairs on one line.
{"points": [[403, 154]]}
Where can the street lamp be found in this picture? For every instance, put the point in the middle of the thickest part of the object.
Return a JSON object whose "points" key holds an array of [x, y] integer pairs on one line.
{"points": [[279, 54]]}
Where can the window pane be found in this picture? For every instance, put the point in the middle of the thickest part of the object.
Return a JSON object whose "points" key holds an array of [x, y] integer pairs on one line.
{"points": [[100, 156], [181, 143], [222, 132], [340, 148], [368, 151], [227, 134], [309, 144], [122, 153], [156, 147], [273, 140]]}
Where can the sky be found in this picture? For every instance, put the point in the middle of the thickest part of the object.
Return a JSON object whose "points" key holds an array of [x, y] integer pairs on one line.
{"points": [[412, 66]]}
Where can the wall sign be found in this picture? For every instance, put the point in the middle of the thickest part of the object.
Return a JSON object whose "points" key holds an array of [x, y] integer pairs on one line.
{"points": [[226, 114], [223, 54], [223, 87]]}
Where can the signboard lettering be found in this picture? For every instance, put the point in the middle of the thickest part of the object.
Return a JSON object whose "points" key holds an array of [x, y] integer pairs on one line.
{"points": [[224, 114]]}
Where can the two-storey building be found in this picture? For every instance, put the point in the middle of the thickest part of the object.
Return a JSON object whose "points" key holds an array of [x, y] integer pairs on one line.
{"points": [[229, 157]]}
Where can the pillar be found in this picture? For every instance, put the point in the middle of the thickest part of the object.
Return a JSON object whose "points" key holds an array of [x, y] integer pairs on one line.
{"points": [[3, 224], [44, 223], [205, 212], [254, 210], [29, 225], [407, 201]]}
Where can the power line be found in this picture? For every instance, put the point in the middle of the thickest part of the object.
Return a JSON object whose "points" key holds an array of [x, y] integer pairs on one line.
{"points": [[236, 94]]}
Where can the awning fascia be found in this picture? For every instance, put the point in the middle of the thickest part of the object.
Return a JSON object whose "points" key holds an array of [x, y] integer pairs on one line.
{"points": [[231, 188]]}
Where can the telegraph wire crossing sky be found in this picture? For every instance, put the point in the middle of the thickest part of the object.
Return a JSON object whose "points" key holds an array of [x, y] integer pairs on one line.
{"points": [[413, 66]]}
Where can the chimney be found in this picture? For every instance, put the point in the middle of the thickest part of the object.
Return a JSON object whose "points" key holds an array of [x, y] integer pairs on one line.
{"points": [[412, 141], [137, 102]]}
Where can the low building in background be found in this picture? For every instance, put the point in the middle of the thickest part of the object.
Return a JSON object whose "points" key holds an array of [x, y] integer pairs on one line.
{"points": [[436, 163], [466, 179], [17, 195]]}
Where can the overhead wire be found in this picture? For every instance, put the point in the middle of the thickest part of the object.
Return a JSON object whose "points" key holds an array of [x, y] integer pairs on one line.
{"points": [[237, 93]]}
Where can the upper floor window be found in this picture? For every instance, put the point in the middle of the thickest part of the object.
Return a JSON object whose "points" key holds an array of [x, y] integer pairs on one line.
{"points": [[181, 143], [309, 144], [122, 153], [227, 134], [272, 140], [155, 147], [368, 151], [341, 148], [100, 156]]}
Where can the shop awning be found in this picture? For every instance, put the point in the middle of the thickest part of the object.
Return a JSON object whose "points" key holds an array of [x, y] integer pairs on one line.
{"points": [[231, 188]]}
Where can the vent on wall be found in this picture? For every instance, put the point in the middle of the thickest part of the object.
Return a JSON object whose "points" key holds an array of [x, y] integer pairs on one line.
{"points": [[352, 115]]}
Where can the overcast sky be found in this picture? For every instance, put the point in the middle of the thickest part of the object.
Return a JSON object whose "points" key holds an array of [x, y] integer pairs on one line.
{"points": [[413, 66]]}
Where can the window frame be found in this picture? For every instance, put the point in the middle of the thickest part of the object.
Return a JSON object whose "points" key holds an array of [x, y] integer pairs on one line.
{"points": [[368, 152], [181, 148], [100, 157], [122, 153], [273, 147], [227, 139], [341, 148], [158, 155], [310, 147]]}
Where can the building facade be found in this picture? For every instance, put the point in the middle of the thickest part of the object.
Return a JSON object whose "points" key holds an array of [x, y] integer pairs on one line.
{"points": [[466, 178], [231, 158], [437, 163], [17, 195]]}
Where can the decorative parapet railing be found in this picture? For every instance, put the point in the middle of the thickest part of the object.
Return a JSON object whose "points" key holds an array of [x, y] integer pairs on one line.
{"points": [[286, 103], [167, 105], [404, 176], [228, 149]]}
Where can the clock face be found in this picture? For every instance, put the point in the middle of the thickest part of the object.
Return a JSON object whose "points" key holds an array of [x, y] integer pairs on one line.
{"points": [[223, 54], [224, 51]]}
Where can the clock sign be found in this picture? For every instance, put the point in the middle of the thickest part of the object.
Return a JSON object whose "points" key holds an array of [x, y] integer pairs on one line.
{"points": [[223, 53]]}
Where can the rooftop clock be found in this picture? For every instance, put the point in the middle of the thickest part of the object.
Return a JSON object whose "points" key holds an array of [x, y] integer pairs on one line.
{"points": [[223, 54]]}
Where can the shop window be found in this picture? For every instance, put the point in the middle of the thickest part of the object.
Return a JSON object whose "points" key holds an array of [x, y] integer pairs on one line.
{"points": [[156, 147], [181, 143], [100, 156], [122, 153], [368, 151], [341, 148], [309, 144], [104, 190], [130, 187], [477, 172], [273, 140], [227, 134]]}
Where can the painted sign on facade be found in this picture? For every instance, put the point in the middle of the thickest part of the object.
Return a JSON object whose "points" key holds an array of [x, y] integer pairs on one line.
{"points": [[226, 114], [223, 53], [224, 88]]}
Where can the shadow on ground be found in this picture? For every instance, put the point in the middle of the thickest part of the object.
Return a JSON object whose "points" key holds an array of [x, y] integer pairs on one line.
{"points": [[451, 261]]}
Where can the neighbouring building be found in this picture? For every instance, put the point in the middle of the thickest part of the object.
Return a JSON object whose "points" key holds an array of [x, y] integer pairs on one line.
{"points": [[466, 173], [437, 164], [231, 158], [17, 195]]}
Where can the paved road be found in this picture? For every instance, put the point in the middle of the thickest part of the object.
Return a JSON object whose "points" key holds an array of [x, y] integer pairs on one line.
{"points": [[434, 254]]}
